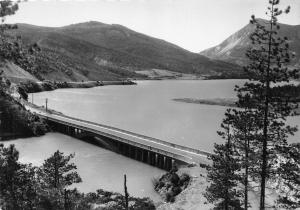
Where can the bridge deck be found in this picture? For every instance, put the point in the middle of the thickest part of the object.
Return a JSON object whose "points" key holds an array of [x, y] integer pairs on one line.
{"points": [[185, 154]]}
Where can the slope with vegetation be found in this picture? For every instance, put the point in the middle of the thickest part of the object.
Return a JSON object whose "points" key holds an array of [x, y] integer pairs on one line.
{"points": [[97, 51], [15, 120]]}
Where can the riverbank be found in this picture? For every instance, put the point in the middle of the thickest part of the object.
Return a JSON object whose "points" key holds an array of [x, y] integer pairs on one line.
{"points": [[34, 87]]}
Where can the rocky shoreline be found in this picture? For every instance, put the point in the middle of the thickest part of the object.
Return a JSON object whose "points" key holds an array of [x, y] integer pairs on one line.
{"points": [[192, 196], [170, 184]]}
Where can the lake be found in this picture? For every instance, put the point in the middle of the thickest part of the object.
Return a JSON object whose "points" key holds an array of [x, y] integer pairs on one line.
{"points": [[146, 108]]}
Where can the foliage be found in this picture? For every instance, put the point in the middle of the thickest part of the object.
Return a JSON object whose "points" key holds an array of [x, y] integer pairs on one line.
{"points": [[288, 177], [11, 47], [170, 185], [259, 149], [17, 120], [17, 181], [266, 94], [223, 190], [58, 172], [48, 187]]}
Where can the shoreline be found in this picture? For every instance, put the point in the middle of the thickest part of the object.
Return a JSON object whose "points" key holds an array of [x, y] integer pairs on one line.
{"points": [[35, 87]]}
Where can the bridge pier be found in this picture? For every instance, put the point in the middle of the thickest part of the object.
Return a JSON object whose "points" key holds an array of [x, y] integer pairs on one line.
{"points": [[162, 162], [149, 157], [133, 152], [72, 131], [168, 164], [136, 154], [122, 148], [159, 159], [156, 160], [128, 151], [144, 156], [119, 147]]}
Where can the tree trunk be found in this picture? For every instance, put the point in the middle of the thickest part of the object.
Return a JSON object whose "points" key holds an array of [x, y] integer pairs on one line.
{"points": [[126, 193], [266, 123], [246, 174]]}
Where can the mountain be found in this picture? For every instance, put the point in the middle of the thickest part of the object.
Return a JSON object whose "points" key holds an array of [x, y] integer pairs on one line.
{"points": [[98, 51], [234, 47]]}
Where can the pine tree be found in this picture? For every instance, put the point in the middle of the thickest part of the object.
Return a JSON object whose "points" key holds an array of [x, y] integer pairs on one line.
{"points": [[17, 181], [244, 130], [58, 172], [55, 175], [271, 103], [9, 168], [223, 174]]}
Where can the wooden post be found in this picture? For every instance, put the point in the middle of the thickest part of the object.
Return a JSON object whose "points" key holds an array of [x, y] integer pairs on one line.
{"points": [[125, 193]]}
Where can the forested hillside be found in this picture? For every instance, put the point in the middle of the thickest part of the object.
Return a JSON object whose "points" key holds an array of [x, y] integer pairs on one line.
{"points": [[97, 51]]}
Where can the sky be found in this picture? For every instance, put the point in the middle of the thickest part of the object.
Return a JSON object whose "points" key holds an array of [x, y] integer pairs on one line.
{"points": [[192, 24]]}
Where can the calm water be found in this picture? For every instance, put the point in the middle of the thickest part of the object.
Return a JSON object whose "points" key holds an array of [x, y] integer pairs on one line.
{"points": [[146, 108], [98, 168]]}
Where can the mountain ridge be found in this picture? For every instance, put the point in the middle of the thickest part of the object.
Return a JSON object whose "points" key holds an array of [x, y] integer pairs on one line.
{"points": [[233, 48], [115, 49]]}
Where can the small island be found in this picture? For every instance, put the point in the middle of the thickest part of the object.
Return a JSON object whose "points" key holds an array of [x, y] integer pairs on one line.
{"points": [[229, 102]]}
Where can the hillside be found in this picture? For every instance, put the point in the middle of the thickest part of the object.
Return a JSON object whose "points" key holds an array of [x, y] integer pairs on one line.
{"points": [[98, 51], [234, 47], [14, 73]]}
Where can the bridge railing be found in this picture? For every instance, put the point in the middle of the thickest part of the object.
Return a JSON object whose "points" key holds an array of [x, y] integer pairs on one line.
{"points": [[177, 146]]}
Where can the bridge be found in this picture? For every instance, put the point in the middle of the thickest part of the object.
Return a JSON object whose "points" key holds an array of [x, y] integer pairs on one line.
{"points": [[149, 150]]}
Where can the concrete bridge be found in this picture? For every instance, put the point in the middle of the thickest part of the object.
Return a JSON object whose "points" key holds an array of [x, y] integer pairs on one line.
{"points": [[149, 150]]}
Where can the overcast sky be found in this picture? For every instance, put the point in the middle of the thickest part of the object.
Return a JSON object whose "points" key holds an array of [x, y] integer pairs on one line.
{"points": [[192, 24]]}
